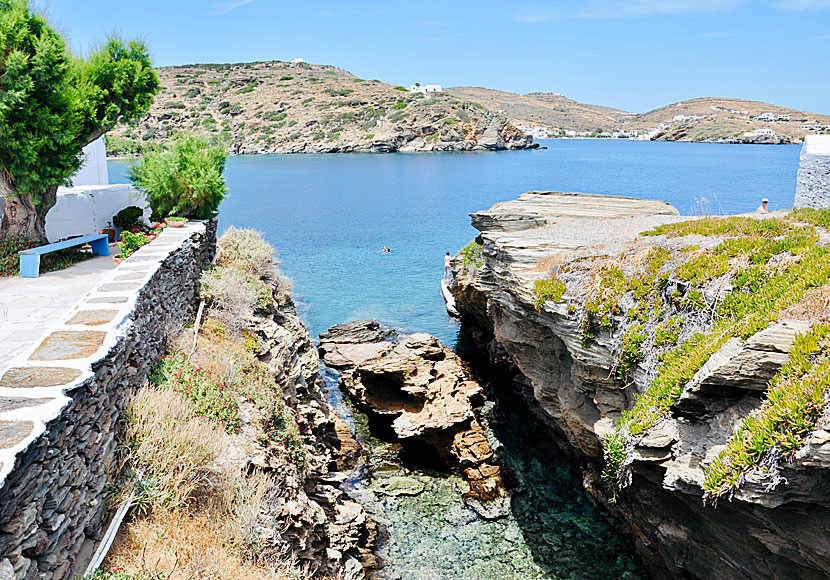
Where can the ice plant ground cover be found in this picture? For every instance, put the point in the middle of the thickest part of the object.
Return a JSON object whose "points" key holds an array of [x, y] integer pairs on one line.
{"points": [[674, 304]]}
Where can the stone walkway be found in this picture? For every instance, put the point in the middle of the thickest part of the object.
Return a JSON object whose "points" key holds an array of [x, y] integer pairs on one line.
{"points": [[31, 306]]}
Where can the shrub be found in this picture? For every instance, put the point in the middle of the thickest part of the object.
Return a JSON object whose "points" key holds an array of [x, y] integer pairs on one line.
{"points": [[128, 217], [632, 350], [401, 105], [174, 105], [246, 249], [183, 178], [132, 242], [207, 394], [404, 89], [471, 255]]}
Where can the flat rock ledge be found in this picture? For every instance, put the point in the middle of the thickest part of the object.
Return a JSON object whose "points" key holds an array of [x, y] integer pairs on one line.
{"points": [[422, 391]]}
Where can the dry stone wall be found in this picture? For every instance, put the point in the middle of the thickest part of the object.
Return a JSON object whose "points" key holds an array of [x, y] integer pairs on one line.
{"points": [[60, 407]]}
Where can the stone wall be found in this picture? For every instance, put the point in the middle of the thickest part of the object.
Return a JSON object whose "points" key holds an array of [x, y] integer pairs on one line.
{"points": [[60, 409], [813, 187]]}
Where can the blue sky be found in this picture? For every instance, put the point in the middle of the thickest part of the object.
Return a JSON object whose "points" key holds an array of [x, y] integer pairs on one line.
{"points": [[631, 54]]}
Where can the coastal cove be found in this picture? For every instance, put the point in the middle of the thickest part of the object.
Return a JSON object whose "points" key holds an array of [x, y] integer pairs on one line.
{"points": [[330, 215]]}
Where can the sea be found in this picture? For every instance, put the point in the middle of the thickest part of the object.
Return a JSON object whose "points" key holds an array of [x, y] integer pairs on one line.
{"points": [[329, 216]]}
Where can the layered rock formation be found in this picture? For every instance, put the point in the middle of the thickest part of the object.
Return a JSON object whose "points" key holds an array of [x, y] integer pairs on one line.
{"points": [[420, 390], [574, 385], [308, 516]]}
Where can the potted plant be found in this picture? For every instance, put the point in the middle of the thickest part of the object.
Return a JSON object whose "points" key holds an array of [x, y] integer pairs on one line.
{"points": [[109, 230], [175, 222], [129, 218], [129, 244]]}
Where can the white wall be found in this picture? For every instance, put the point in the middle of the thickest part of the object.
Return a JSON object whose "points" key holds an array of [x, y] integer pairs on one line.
{"points": [[87, 209], [94, 169]]}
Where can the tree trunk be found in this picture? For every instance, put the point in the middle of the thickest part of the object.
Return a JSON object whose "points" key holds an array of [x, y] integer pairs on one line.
{"points": [[21, 216]]}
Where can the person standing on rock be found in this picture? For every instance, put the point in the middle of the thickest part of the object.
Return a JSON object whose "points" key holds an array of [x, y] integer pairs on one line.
{"points": [[447, 267], [763, 207]]}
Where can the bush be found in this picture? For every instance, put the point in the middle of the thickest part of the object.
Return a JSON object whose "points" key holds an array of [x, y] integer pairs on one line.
{"points": [[174, 105], [128, 217], [185, 177], [246, 249], [471, 255], [207, 394], [132, 242]]}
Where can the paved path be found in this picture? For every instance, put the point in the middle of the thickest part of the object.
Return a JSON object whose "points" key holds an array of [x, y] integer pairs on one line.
{"points": [[31, 306]]}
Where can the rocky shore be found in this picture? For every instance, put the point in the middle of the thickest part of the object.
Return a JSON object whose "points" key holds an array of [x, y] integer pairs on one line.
{"points": [[580, 377]]}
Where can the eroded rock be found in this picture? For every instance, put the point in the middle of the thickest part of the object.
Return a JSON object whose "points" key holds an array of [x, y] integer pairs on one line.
{"points": [[421, 391]]}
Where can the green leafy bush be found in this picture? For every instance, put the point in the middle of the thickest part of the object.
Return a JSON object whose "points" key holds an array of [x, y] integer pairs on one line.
{"points": [[174, 105], [128, 217], [208, 394], [471, 255], [119, 573], [131, 242], [184, 177], [632, 350]]}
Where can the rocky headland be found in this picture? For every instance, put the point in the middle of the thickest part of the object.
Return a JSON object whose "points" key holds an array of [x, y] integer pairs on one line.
{"points": [[279, 107], [645, 355]]}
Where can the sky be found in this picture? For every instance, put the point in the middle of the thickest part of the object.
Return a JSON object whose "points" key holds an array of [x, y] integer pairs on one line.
{"points": [[634, 55]]}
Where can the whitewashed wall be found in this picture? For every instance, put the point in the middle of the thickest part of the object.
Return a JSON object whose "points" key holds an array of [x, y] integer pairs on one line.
{"points": [[94, 169], [87, 209]]}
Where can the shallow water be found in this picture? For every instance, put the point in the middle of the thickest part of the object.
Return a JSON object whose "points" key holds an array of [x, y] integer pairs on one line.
{"points": [[330, 215]]}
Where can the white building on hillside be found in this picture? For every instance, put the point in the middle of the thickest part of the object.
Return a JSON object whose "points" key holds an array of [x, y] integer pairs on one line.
{"points": [[783, 117], [766, 117], [419, 88]]}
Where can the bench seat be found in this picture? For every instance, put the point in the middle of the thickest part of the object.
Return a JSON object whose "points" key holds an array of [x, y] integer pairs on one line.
{"points": [[30, 259]]}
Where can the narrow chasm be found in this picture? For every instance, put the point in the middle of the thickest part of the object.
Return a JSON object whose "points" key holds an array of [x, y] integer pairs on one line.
{"points": [[542, 523]]}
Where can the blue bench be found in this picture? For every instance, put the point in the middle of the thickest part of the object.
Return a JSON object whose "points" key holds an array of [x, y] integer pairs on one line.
{"points": [[30, 259]]}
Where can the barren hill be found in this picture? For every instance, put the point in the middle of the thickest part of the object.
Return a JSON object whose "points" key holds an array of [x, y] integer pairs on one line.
{"points": [[547, 109], [703, 119]]}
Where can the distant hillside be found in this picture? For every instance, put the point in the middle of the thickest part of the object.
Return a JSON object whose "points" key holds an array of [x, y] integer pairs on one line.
{"points": [[279, 107], [547, 109], [704, 119]]}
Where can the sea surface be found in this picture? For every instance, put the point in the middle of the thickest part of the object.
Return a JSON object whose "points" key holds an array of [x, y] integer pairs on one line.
{"points": [[330, 215]]}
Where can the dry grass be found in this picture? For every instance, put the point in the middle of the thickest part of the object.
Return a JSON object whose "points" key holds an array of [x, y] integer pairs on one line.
{"points": [[172, 446], [550, 263], [230, 295], [198, 519], [192, 545], [814, 307]]}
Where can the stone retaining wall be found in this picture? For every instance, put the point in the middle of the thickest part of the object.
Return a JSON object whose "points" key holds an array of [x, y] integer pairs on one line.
{"points": [[60, 408], [813, 186]]}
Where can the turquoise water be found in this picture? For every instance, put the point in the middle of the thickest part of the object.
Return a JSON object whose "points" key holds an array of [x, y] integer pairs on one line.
{"points": [[330, 215]]}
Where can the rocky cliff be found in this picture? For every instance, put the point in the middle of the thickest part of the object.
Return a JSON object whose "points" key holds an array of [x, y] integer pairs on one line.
{"points": [[279, 107], [646, 354]]}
